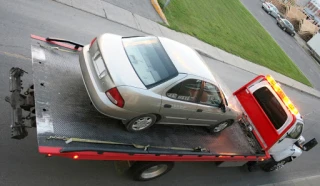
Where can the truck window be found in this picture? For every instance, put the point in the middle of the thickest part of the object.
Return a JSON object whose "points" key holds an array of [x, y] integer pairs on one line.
{"points": [[271, 106]]}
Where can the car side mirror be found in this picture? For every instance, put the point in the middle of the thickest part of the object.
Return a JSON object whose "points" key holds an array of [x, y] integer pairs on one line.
{"points": [[310, 144]]}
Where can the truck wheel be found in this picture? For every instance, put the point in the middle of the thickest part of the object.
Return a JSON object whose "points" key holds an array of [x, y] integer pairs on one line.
{"points": [[141, 122], [144, 171], [221, 126], [273, 165]]}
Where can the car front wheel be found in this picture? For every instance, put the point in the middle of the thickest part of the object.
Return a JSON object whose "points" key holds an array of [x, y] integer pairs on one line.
{"points": [[141, 123]]}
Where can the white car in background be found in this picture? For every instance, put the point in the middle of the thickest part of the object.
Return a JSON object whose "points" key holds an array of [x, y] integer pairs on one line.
{"points": [[270, 9]]}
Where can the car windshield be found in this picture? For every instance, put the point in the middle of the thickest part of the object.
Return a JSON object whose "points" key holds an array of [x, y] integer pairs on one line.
{"points": [[149, 60], [288, 24]]}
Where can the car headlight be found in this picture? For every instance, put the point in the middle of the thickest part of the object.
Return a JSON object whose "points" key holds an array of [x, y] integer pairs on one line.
{"points": [[296, 132]]}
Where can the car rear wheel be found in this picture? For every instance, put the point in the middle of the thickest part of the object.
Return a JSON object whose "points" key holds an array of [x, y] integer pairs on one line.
{"points": [[221, 126], [284, 29], [292, 34], [141, 123], [144, 171]]}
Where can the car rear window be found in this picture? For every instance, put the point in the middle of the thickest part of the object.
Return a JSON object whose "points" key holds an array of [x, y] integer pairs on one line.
{"points": [[271, 107], [149, 60]]}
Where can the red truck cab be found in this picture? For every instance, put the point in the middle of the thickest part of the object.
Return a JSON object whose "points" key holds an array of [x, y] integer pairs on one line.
{"points": [[273, 118]]}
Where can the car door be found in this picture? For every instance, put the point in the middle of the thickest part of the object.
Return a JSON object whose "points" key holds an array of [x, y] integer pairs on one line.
{"points": [[209, 110], [179, 101]]}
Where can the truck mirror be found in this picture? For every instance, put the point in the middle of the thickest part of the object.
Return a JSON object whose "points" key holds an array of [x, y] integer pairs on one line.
{"points": [[310, 144]]}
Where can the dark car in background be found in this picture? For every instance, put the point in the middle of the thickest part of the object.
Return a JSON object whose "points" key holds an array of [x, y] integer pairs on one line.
{"points": [[286, 26]]}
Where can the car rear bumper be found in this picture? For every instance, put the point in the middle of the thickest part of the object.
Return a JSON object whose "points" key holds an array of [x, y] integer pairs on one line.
{"points": [[98, 96]]}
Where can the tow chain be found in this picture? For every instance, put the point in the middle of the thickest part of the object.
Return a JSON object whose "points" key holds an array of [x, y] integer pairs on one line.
{"points": [[144, 147]]}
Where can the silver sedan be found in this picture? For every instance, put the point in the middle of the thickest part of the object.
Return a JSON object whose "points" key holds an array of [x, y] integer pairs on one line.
{"points": [[270, 9], [148, 80]]}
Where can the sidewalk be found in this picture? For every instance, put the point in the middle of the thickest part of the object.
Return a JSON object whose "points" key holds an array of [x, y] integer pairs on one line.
{"points": [[308, 181], [111, 12]]}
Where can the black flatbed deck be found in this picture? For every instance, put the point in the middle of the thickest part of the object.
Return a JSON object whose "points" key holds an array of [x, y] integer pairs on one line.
{"points": [[64, 109]]}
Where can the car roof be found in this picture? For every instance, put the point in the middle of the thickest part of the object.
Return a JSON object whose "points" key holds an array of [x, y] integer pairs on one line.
{"points": [[186, 60]]}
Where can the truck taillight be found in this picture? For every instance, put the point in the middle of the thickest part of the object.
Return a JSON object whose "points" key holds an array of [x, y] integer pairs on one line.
{"points": [[93, 41], [285, 99], [115, 97]]}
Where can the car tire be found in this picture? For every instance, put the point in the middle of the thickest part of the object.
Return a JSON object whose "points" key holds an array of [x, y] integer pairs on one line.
{"points": [[273, 165], [141, 123], [215, 129], [284, 29], [293, 35], [144, 171], [269, 12]]}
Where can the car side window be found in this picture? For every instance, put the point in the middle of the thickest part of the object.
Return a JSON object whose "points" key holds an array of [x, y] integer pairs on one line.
{"points": [[211, 95], [187, 90]]}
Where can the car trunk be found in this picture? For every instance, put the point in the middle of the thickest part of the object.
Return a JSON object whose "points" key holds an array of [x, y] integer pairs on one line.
{"points": [[117, 62]]}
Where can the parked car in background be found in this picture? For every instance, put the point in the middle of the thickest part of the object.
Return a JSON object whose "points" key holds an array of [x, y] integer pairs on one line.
{"points": [[270, 9], [148, 80], [286, 26]]}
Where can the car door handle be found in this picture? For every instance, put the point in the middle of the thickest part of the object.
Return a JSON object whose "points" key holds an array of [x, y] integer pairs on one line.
{"points": [[167, 106], [199, 110]]}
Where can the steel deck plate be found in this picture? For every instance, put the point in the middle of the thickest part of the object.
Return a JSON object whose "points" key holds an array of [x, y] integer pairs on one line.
{"points": [[63, 108]]}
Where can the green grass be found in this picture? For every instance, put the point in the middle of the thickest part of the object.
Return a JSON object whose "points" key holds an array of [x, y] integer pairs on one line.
{"points": [[228, 25]]}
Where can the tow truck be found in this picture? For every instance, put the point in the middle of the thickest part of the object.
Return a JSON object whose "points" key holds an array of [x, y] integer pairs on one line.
{"points": [[268, 135]]}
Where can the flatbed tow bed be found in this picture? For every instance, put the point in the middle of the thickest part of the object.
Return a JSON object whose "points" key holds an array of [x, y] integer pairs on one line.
{"points": [[68, 125], [63, 110]]}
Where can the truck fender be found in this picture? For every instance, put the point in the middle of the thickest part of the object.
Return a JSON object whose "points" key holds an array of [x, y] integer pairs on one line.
{"points": [[293, 151]]}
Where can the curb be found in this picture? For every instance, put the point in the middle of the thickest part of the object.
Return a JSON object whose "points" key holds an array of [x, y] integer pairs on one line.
{"points": [[210, 56], [156, 6]]}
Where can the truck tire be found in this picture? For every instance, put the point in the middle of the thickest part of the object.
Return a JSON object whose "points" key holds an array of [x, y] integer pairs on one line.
{"points": [[141, 123], [220, 127], [273, 165], [144, 171]]}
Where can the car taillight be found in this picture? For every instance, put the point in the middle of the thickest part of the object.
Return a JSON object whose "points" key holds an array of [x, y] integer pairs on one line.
{"points": [[93, 41], [285, 99], [115, 97]]}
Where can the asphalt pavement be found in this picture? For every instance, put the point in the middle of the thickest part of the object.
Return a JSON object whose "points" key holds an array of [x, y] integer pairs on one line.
{"points": [[309, 67], [20, 163]]}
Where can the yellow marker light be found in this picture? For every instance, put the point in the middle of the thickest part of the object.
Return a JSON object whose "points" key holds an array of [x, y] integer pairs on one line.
{"points": [[285, 99]]}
